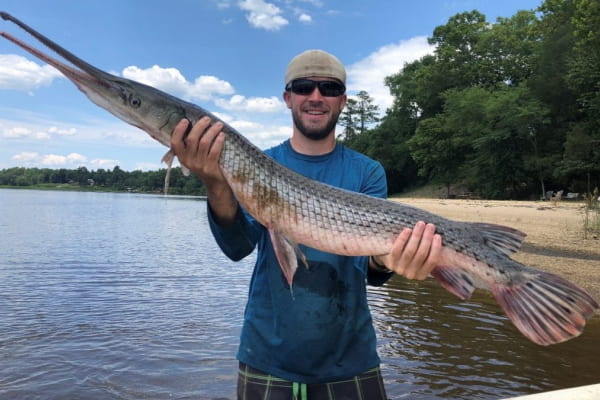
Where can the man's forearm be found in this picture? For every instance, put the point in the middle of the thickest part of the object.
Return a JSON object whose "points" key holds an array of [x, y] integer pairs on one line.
{"points": [[222, 202]]}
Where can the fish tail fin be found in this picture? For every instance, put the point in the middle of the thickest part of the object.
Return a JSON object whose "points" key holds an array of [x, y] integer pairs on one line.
{"points": [[546, 308]]}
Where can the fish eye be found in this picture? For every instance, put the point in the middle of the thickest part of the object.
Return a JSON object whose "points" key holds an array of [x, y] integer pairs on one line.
{"points": [[135, 101]]}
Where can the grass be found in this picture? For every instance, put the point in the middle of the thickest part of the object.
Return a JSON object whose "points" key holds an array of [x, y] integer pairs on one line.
{"points": [[591, 216]]}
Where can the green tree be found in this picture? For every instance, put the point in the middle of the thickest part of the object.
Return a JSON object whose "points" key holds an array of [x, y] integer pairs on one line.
{"points": [[358, 115], [582, 146], [368, 113], [348, 119]]}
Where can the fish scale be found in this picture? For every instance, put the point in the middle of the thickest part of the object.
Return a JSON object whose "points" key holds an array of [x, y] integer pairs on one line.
{"points": [[545, 308]]}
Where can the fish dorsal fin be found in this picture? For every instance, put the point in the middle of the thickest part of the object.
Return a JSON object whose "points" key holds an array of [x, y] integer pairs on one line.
{"points": [[502, 238]]}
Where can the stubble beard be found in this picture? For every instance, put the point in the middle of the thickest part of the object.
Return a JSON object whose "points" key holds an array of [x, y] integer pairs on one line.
{"points": [[315, 133]]}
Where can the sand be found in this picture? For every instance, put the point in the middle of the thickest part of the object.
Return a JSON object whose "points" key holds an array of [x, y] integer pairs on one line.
{"points": [[555, 237]]}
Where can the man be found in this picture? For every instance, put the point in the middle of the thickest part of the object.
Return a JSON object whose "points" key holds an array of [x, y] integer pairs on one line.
{"points": [[319, 342]]}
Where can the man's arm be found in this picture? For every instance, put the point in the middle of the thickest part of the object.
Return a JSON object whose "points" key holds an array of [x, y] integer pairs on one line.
{"points": [[415, 252], [199, 151]]}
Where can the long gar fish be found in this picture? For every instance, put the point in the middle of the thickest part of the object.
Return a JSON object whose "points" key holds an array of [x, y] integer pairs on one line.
{"points": [[546, 308]]}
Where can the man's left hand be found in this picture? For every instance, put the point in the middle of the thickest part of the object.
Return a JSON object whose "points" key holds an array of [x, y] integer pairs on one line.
{"points": [[415, 252]]}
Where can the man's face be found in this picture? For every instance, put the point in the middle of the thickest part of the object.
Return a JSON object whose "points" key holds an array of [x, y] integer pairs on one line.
{"points": [[315, 115]]}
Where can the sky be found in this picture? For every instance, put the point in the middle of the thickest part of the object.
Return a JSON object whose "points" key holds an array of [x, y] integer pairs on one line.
{"points": [[227, 56]]}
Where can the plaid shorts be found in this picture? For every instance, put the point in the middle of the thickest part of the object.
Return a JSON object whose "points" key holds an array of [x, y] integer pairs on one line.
{"points": [[257, 385]]}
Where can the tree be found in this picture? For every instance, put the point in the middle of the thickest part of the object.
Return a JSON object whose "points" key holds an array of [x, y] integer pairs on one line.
{"points": [[508, 50], [348, 119], [442, 144], [582, 146], [367, 111], [458, 51], [358, 114]]}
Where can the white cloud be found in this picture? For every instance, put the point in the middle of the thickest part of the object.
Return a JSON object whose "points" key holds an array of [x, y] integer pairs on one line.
{"points": [[245, 126], [261, 134], [58, 160], [103, 163], [75, 157], [18, 73], [20, 132], [263, 15], [26, 157], [316, 3], [62, 132], [34, 158], [16, 132], [53, 159], [369, 73], [269, 136], [252, 104], [172, 81], [305, 18]]}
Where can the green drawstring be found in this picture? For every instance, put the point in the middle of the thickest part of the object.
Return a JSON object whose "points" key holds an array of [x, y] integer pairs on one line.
{"points": [[299, 389]]}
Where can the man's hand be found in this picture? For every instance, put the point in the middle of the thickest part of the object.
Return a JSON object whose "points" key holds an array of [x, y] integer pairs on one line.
{"points": [[415, 253], [199, 151]]}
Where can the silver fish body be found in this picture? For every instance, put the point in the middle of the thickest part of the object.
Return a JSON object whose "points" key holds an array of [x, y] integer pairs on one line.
{"points": [[544, 307]]}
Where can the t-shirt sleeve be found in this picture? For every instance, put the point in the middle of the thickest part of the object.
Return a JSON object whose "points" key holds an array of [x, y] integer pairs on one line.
{"points": [[237, 239], [376, 181]]}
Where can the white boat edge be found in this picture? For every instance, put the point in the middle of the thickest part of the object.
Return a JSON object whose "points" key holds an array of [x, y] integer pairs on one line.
{"points": [[588, 392]]}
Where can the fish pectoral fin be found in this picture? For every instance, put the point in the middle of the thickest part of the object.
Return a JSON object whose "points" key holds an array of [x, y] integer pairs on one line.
{"points": [[546, 308], [286, 251], [168, 158], [502, 238], [454, 280]]}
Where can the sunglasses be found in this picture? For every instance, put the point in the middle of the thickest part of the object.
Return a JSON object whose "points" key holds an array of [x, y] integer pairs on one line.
{"points": [[307, 86]]}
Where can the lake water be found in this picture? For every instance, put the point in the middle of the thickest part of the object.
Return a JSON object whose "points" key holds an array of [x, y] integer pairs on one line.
{"points": [[126, 296]]}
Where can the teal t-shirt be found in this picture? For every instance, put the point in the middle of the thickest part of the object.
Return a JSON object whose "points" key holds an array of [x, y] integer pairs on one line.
{"points": [[322, 331]]}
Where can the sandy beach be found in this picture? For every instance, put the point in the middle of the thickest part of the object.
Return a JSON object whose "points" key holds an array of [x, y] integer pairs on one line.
{"points": [[555, 236]]}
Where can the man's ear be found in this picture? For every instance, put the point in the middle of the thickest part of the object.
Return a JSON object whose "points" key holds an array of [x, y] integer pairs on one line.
{"points": [[343, 102], [287, 98]]}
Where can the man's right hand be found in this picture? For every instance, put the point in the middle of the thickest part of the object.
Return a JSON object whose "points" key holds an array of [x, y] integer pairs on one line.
{"points": [[199, 151]]}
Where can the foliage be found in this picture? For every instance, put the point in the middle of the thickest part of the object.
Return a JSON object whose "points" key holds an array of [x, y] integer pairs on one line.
{"points": [[359, 113], [508, 109]]}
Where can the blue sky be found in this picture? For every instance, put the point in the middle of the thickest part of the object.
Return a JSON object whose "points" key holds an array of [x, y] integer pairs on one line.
{"points": [[228, 56]]}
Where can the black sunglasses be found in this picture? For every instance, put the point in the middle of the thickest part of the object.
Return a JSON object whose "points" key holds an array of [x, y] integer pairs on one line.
{"points": [[307, 86]]}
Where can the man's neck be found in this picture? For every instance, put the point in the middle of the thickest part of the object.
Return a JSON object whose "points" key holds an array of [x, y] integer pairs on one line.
{"points": [[310, 147]]}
